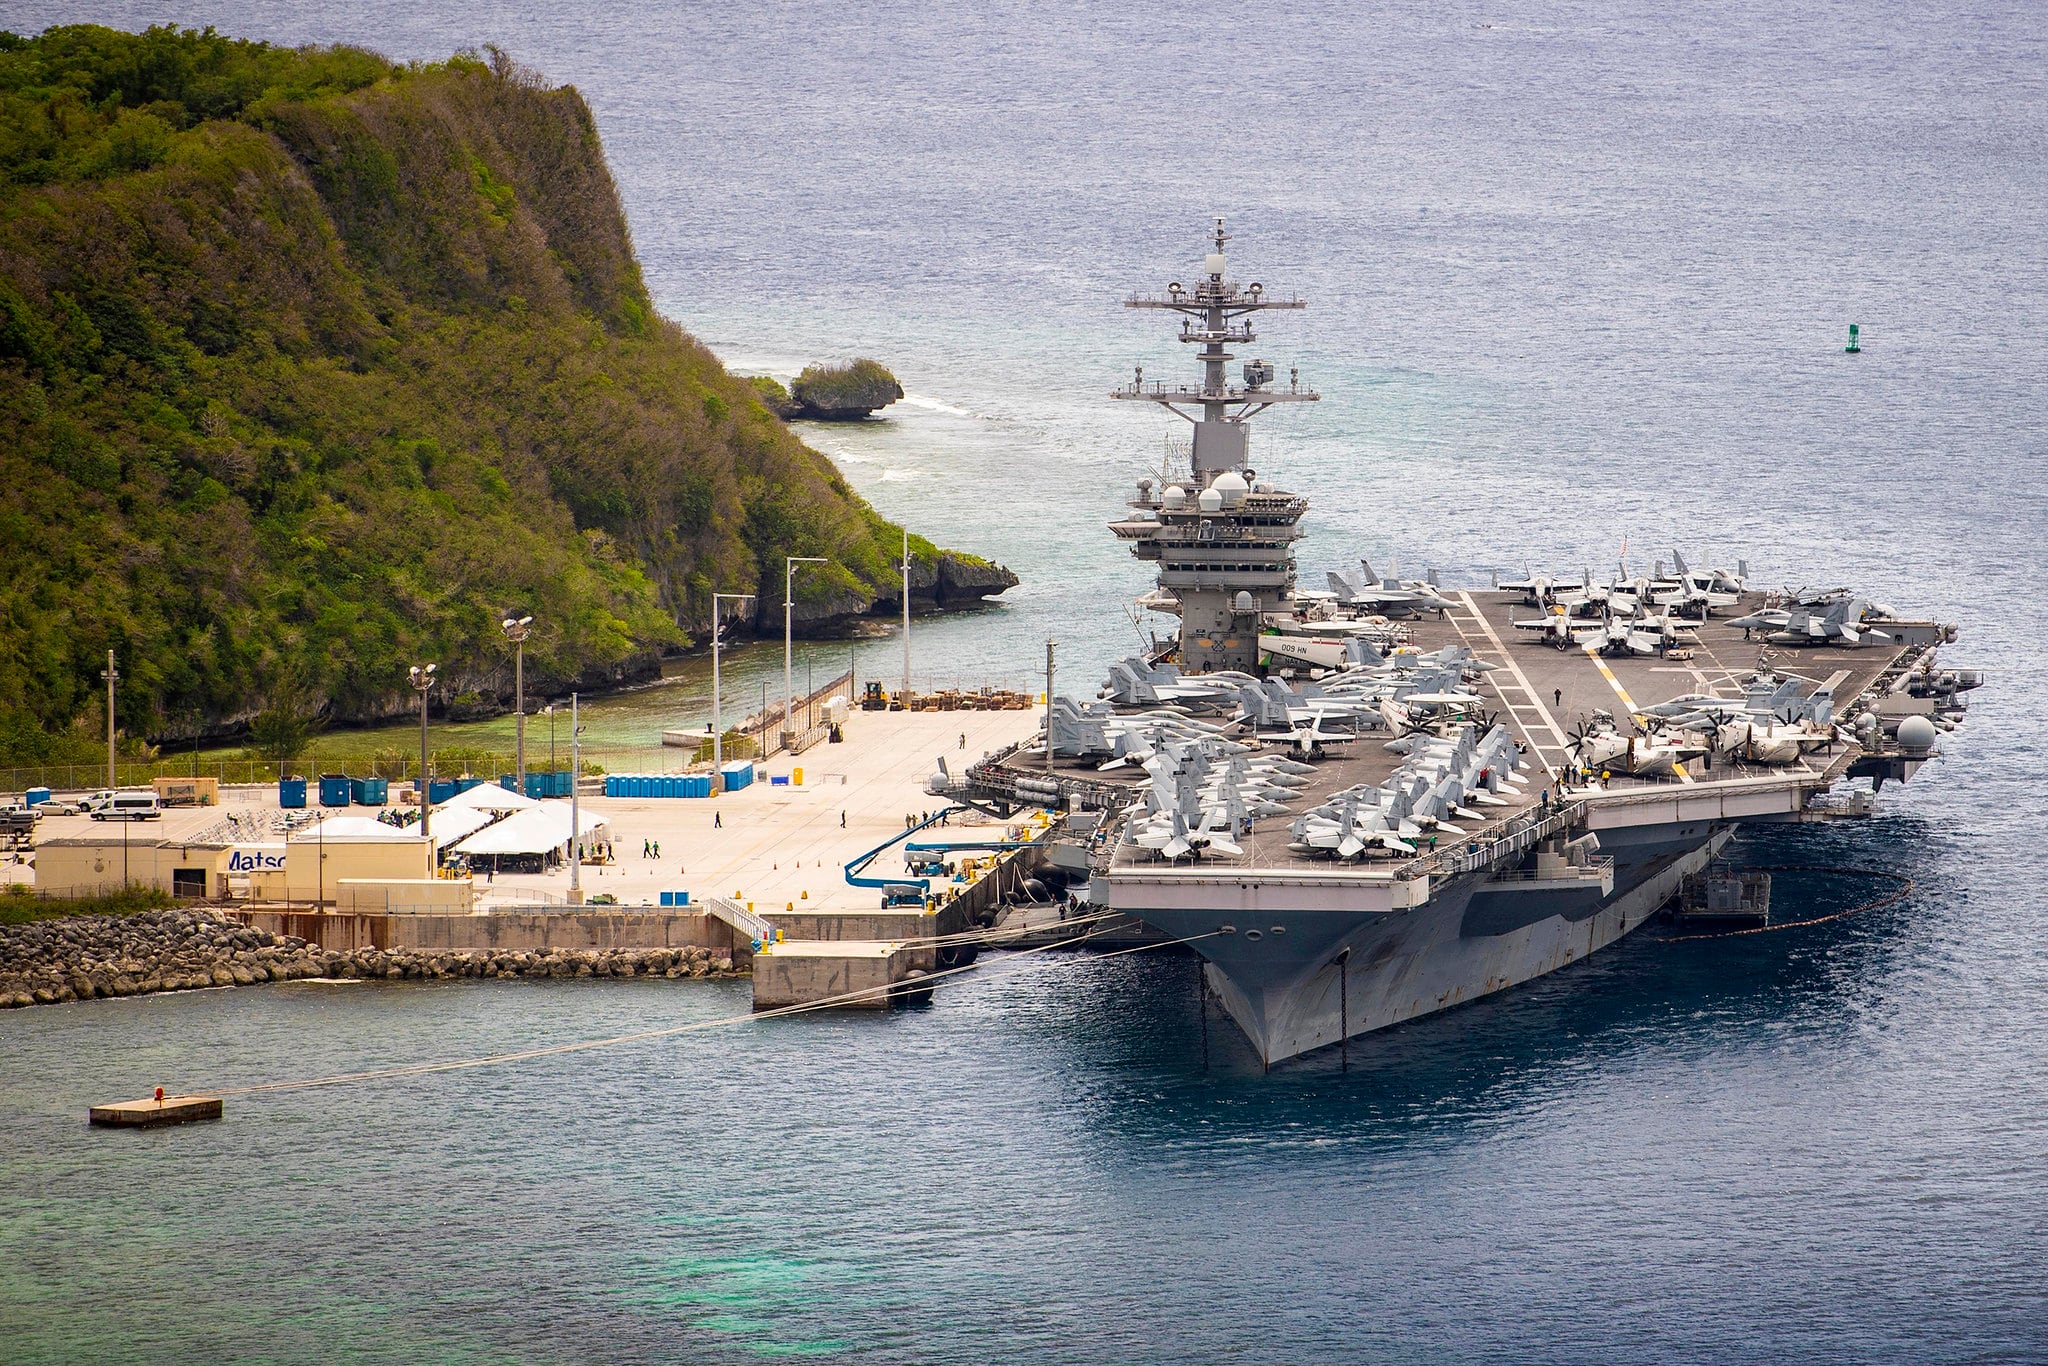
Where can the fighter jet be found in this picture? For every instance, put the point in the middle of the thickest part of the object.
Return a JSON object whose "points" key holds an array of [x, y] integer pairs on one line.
{"points": [[1540, 590], [1389, 597], [1842, 624]]}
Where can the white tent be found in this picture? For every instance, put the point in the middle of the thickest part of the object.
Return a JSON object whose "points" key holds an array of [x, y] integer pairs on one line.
{"points": [[543, 827], [360, 829], [488, 797], [449, 826], [452, 823]]}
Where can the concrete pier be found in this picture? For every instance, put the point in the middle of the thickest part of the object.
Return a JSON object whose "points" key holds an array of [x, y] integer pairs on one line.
{"points": [[800, 972]]}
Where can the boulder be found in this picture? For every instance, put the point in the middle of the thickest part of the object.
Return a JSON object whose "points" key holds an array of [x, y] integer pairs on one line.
{"points": [[843, 393], [965, 580]]}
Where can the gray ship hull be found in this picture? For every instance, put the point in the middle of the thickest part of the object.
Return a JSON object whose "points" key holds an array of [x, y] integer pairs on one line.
{"points": [[1296, 982]]}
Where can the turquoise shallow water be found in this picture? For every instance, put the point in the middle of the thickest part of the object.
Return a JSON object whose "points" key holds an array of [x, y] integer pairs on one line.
{"points": [[1580, 275]]}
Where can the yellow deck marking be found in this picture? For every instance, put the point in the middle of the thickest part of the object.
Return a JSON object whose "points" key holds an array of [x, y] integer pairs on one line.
{"points": [[1522, 682], [1634, 712]]}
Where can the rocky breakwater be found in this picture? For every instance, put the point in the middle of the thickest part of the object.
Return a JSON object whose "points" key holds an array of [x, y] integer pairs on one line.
{"points": [[76, 958]]}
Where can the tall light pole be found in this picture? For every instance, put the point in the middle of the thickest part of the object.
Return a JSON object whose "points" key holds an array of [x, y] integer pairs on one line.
{"points": [[906, 618], [110, 674], [1049, 646], [423, 681], [717, 695], [575, 807], [789, 564], [516, 629]]}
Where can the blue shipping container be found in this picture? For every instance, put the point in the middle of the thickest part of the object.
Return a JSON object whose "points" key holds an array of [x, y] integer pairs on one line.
{"points": [[440, 790], [464, 784], [565, 783], [334, 789], [369, 791], [291, 793]]}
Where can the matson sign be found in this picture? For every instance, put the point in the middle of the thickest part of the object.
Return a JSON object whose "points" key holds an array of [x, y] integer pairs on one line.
{"points": [[256, 858]]}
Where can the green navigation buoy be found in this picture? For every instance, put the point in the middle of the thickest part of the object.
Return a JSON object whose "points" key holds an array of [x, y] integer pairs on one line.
{"points": [[1854, 348]]}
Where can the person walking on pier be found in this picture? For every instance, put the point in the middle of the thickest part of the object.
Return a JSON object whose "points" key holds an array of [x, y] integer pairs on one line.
{"points": [[717, 820]]}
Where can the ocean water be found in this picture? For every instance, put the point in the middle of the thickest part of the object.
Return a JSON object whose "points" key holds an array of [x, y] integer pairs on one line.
{"points": [[1580, 278]]}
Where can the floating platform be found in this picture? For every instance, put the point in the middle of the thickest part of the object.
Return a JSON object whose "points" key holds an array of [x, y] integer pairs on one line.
{"points": [[147, 1113]]}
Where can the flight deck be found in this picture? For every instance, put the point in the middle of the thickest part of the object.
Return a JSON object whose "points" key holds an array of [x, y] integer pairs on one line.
{"points": [[1545, 696]]}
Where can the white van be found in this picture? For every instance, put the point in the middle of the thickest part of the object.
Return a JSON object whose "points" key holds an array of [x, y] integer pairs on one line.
{"points": [[122, 806]]}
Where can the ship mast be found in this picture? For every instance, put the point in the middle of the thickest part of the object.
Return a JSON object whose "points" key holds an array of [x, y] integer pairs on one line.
{"points": [[1224, 541], [1217, 313]]}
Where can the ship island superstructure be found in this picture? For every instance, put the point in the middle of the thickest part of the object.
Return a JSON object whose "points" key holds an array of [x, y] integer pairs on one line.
{"points": [[1224, 539], [1364, 804]]}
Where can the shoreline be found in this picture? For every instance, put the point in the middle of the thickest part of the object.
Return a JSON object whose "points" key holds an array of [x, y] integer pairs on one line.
{"points": [[65, 959]]}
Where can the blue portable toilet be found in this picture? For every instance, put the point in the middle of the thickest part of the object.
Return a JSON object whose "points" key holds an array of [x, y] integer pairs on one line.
{"points": [[610, 785], [291, 793], [35, 796], [674, 785], [675, 898], [334, 789], [440, 790], [369, 791]]}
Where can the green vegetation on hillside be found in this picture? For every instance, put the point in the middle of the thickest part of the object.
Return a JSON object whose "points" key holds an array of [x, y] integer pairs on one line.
{"points": [[312, 366]]}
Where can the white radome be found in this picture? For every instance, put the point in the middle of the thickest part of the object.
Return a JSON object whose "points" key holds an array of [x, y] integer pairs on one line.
{"points": [[1916, 732]]}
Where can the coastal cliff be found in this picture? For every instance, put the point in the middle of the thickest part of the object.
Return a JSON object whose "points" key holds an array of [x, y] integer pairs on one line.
{"points": [[312, 366]]}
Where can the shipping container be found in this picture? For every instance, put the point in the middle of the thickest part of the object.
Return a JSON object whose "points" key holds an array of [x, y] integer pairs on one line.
{"points": [[334, 789]]}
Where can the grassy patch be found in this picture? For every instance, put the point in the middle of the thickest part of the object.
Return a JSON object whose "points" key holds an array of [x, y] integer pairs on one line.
{"points": [[19, 907]]}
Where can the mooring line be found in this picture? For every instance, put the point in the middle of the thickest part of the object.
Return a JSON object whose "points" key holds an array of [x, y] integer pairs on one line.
{"points": [[919, 984], [1901, 892]]}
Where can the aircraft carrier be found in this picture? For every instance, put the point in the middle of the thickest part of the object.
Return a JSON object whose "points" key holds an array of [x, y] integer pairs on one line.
{"points": [[1371, 801]]}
